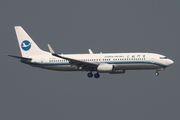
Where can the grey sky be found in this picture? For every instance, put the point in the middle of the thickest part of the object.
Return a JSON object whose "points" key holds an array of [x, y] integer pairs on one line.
{"points": [[102, 25]]}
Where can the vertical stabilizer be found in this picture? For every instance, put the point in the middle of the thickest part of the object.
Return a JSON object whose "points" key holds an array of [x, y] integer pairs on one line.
{"points": [[27, 46]]}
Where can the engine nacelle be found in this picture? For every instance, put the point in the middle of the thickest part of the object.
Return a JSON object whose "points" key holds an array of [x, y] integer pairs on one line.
{"points": [[105, 68]]}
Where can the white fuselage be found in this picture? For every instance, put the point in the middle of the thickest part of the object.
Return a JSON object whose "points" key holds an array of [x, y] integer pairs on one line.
{"points": [[113, 63], [121, 61]]}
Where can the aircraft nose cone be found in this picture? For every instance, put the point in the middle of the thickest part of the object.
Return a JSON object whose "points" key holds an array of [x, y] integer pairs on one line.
{"points": [[170, 62]]}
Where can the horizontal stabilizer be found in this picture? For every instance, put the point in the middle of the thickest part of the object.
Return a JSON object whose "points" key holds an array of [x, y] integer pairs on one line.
{"points": [[19, 57]]}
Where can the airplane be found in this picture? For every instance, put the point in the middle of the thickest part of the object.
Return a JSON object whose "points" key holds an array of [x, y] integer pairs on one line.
{"points": [[113, 63]]}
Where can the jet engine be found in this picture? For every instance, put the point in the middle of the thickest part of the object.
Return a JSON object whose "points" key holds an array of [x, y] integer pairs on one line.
{"points": [[105, 68]]}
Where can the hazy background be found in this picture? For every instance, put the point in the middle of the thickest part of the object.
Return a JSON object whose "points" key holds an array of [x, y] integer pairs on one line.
{"points": [[28, 93]]}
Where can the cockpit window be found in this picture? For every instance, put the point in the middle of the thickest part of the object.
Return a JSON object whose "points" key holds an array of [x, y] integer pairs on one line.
{"points": [[163, 57]]}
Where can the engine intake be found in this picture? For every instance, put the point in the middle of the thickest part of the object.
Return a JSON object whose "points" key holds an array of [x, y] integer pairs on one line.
{"points": [[105, 68]]}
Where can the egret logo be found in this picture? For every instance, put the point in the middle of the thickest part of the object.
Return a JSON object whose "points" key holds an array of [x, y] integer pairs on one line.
{"points": [[25, 45]]}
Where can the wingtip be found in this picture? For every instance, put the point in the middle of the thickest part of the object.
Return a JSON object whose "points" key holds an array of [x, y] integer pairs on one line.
{"points": [[50, 49], [17, 26], [90, 51]]}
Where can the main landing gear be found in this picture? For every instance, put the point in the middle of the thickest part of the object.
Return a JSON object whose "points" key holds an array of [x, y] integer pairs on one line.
{"points": [[96, 75]]}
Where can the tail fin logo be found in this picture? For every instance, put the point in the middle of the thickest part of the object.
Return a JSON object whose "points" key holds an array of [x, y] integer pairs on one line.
{"points": [[25, 45]]}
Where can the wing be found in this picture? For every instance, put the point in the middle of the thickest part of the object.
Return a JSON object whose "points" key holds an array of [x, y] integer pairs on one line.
{"points": [[72, 61]]}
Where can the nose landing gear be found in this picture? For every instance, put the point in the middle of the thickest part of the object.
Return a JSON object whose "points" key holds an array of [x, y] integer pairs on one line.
{"points": [[157, 73]]}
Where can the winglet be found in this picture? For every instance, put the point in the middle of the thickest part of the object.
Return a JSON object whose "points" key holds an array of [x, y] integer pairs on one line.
{"points": [[50, 49], [90, 51]]}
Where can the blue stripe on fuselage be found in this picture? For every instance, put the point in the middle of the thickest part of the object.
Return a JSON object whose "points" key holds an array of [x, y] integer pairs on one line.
{"points": [[108, 62]]}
